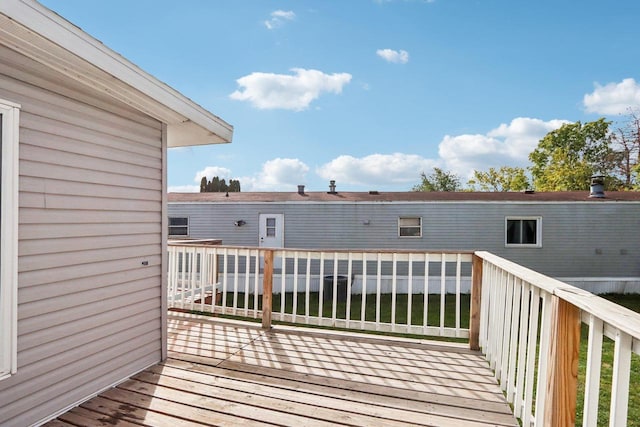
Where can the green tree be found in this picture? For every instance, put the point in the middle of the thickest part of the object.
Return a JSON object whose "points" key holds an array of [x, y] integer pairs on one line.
{"points": [[439, 180], [217, 185], [504, 179], [567, 157], [626, 151]]}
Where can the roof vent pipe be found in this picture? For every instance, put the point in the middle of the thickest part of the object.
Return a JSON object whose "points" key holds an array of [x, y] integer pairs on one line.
{"points": [[332, 187], [301, 190], [597, 187]]}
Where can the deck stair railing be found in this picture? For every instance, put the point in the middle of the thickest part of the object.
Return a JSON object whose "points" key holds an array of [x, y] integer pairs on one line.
{"points": [[530, 331], [526, 324]]}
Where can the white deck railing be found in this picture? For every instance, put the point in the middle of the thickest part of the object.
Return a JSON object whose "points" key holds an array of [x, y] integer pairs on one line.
{"points": [[326, 288], [530, 330], [527, 324]]}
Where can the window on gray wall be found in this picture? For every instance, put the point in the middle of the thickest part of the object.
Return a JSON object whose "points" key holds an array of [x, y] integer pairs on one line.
{"points": [[523, 231], [410, 226], [178, 226]]}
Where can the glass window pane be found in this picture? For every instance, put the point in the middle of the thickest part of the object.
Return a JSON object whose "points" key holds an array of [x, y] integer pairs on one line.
{"points": [[178, 221], [513, 231], [529, 231], [271, 222]]}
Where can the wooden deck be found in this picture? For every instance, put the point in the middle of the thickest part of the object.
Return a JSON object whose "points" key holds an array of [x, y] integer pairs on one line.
{"points": [[230, 373]]}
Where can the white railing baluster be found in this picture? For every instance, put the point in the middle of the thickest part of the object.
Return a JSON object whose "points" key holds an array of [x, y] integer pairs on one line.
{"points": [[378, 285], [532, 341], [295, 287], [394, 285], [513, 339], [349, 273], [443, 289], [283, 283], [620, 379], [592, 380], [425, 308], [235, 281], [321, 292], [307, 289], [334, 286], [544, 347], [525, 305], [458, 280], [363, 303], [225, 275], [409, 292], [506, 332], [256, 283], [247, 281]]}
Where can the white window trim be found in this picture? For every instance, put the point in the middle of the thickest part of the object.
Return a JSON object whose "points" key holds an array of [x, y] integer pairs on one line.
{"points": [[9, 241], [538, 243], [176, 226], [409, 217]]}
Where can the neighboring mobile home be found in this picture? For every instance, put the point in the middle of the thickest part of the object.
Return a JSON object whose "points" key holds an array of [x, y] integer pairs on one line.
{"points": [[83, 227], [591, 242]]}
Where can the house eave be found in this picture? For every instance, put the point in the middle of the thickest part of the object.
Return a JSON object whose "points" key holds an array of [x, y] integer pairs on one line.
{"points": [[42, 35]]}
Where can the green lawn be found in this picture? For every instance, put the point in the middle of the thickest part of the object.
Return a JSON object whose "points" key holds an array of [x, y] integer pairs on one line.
{"points": [[417, 302], [633, 303]]}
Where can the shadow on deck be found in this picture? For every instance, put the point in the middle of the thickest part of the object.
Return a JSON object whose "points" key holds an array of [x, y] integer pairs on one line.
{"points": [[223, 372]]}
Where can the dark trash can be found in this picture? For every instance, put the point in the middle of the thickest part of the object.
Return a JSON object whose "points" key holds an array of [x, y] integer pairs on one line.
{"points": [[341, 288]]}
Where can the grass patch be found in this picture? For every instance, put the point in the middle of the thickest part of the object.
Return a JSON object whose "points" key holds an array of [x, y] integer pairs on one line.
{"points": [[632, 302]]}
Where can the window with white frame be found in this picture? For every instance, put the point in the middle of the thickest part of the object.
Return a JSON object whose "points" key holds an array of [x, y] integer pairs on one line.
{"points": [[178, 226], [523, 231], [410, 226], [9, 130]]}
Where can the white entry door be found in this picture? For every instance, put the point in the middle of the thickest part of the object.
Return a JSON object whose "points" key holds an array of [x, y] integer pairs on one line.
{"points": [[271, 231]]}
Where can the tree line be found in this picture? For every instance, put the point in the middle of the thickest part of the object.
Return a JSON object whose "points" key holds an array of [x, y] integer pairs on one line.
{"points": [[564, 160], [217, 185]]}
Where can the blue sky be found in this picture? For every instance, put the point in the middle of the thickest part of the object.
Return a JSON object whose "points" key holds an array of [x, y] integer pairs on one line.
{"points": [[373, 92]]}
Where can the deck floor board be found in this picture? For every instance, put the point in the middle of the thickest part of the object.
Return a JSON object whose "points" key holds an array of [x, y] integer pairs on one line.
{"points": [[221, 372]]}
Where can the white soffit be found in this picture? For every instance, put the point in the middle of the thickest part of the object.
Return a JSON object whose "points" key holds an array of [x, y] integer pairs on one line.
{"points": [[44, 36]]}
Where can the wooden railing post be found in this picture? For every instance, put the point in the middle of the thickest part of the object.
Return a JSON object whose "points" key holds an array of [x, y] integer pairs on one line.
{"points": [[562, 364], [476, 299], [267, 289]]}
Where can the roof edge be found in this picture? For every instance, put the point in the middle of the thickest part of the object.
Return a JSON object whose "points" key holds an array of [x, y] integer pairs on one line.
{"points": [[185, 118]]}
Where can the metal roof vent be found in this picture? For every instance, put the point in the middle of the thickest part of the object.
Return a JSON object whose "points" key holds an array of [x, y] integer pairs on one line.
{"points": [[332, 187], [597, 187], [301, 190]]}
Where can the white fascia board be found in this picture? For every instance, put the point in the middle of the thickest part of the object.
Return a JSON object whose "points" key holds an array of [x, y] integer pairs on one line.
{"points": [[53, 41]]}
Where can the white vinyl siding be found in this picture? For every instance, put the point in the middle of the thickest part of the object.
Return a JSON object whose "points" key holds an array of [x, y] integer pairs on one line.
{"points": [[9, 130], [410, 226], [90, 217], [523, 232]]}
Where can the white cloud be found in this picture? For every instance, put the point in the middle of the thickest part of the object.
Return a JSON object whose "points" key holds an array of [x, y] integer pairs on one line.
{"points": [[278, 18], [376, 169], [613, 98], [506, 145], [210, 172], [183, 189], [395, 56], [277, 174], [290, 92]]}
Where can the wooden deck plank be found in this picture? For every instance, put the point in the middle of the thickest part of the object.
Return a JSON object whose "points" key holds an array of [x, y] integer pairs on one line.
{"points": [[139, 413], [424, 384], [80, 416], [329, 397], [224, 372], [278, 408], [387, 356], [264, 350]]}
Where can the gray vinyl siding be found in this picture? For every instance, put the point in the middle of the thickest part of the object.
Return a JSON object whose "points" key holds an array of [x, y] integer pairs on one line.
{"points": [[571, 231], [90, 212]]}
